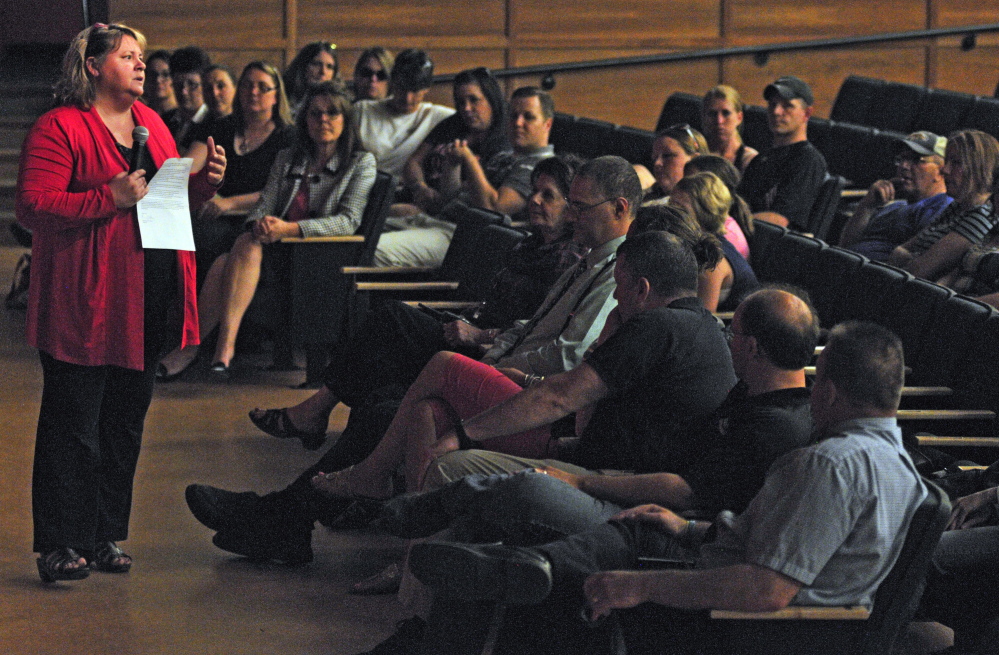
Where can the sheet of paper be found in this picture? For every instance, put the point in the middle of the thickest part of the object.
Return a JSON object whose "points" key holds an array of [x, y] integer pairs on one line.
{"points": [[164, 214]]}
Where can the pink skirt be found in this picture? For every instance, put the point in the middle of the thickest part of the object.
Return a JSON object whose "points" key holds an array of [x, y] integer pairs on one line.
{"points": [[470, 387]]}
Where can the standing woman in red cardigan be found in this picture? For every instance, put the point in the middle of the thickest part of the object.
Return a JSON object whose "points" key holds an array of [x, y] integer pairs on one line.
{"points": [[99, 304]]}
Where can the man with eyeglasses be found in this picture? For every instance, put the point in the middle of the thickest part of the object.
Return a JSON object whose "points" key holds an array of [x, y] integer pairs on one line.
{"points": [[785, 179], [186, 65], [894, 211]]}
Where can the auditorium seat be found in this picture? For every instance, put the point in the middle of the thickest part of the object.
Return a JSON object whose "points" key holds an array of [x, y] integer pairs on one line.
{"points": [[681, 108], [984, 116], [755, 130], [825, 206], [634, 144], [837, 266], [897, 107], [869, 292], [944, 111], [854, 99]]}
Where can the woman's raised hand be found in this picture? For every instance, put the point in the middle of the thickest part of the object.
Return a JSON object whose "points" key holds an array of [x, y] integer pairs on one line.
{"points": [[128, 189], [216, 163]]}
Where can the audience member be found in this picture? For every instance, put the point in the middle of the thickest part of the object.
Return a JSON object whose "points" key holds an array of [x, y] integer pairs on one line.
{"points": [[431, 176], [894, 211], [257, 129], [314, 64], [186, 65], [673, 148], [601, 201], [969, 166], [157, 91], [728, 174], [825, 529], [727, 284], [339, 177], [501, 184], [786, 178], [392, 129], [721, 119], [371, 74], [220, 93]]}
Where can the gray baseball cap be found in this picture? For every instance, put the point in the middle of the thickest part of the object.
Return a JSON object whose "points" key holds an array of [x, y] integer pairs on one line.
{"points": [[926, 143], [790, 87]]}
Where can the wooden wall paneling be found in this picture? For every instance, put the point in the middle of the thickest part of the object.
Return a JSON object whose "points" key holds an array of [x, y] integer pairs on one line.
{"points": [[768, 21], [825, 70], [629, 96], [237, 59], [377, 21], [642, 23], [958, 13], [974, 71], [250, 24]]}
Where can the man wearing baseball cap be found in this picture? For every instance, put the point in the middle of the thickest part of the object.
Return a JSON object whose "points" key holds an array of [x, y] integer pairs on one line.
{"points": [[786, 178], [893, 211]]}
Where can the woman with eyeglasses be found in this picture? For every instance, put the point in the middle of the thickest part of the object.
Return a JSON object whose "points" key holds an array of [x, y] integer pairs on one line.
{"points": [[319, 187], [100, 306], [157, 91], [431, 174], [721, 117], [724, 286], [257, 129], [371, 74], [672, 149], [314, 64]]}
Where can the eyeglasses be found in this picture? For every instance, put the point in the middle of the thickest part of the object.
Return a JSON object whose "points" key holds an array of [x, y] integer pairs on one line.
{"points": [[577, 207], [259, 87], [381, 75], [912, 161]]}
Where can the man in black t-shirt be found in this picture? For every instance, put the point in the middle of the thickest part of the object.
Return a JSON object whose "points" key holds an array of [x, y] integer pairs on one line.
{"points": [[786, 178]]}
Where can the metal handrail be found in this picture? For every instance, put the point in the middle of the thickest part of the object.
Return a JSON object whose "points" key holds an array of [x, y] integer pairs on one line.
{"points": [[761, 53]]}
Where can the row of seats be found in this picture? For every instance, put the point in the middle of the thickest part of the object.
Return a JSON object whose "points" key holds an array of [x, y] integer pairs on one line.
{"points": [[950, 340], [589, 138], [906, 108]]}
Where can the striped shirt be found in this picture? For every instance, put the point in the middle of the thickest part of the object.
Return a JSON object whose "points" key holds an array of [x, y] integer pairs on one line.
{"points": [[973, 224], [334, 210]]}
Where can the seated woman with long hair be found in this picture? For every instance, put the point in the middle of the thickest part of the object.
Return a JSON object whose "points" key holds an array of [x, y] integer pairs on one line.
{"points": [[673, 148], [739, 223], [314, 64], [257, 129], [371, 74], [728, 283], [317, 188], [721, 118]]}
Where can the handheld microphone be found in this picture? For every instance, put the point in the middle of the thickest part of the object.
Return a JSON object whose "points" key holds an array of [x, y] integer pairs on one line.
{"points": [[139, 137]]}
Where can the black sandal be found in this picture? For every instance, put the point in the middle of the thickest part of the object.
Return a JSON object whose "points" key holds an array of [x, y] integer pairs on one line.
{"points": [[276, 423], [55, 565], [106, 559]]}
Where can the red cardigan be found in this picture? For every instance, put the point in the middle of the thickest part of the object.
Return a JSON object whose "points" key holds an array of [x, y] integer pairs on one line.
{"points": [[86, 297]]}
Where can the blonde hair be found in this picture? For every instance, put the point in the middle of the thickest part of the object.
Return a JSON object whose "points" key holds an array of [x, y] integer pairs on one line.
{"points": [[724, 92], [710, 198], [76, 84], [281, 115]]}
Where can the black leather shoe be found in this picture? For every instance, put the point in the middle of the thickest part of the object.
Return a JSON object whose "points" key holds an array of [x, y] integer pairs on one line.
{"points": [[292, 546], [219, 509], [508, 574]]}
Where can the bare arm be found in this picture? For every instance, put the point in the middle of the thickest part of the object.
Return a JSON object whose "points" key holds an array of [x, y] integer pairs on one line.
{"points": [[944, 255], [557, 396], [880, 193], [710, 283], [503, 200]]}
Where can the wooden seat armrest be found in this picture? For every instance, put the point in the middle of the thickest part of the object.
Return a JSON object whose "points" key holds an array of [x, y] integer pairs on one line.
{"points": [[348, 238], [946, 414], [854, 193], [450, 305], [725, 316], [798, 612], [406, 286], [386, 270], [922, 392], [962, 442]]}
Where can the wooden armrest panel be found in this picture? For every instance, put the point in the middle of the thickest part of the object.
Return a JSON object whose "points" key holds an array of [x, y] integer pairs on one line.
{"points": [[963, 442], [406, 286], [854, 193], [945, 414], [390, 270], [797, 612], [453, 305], [927, 391], [725, 316], [349, 238]]}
